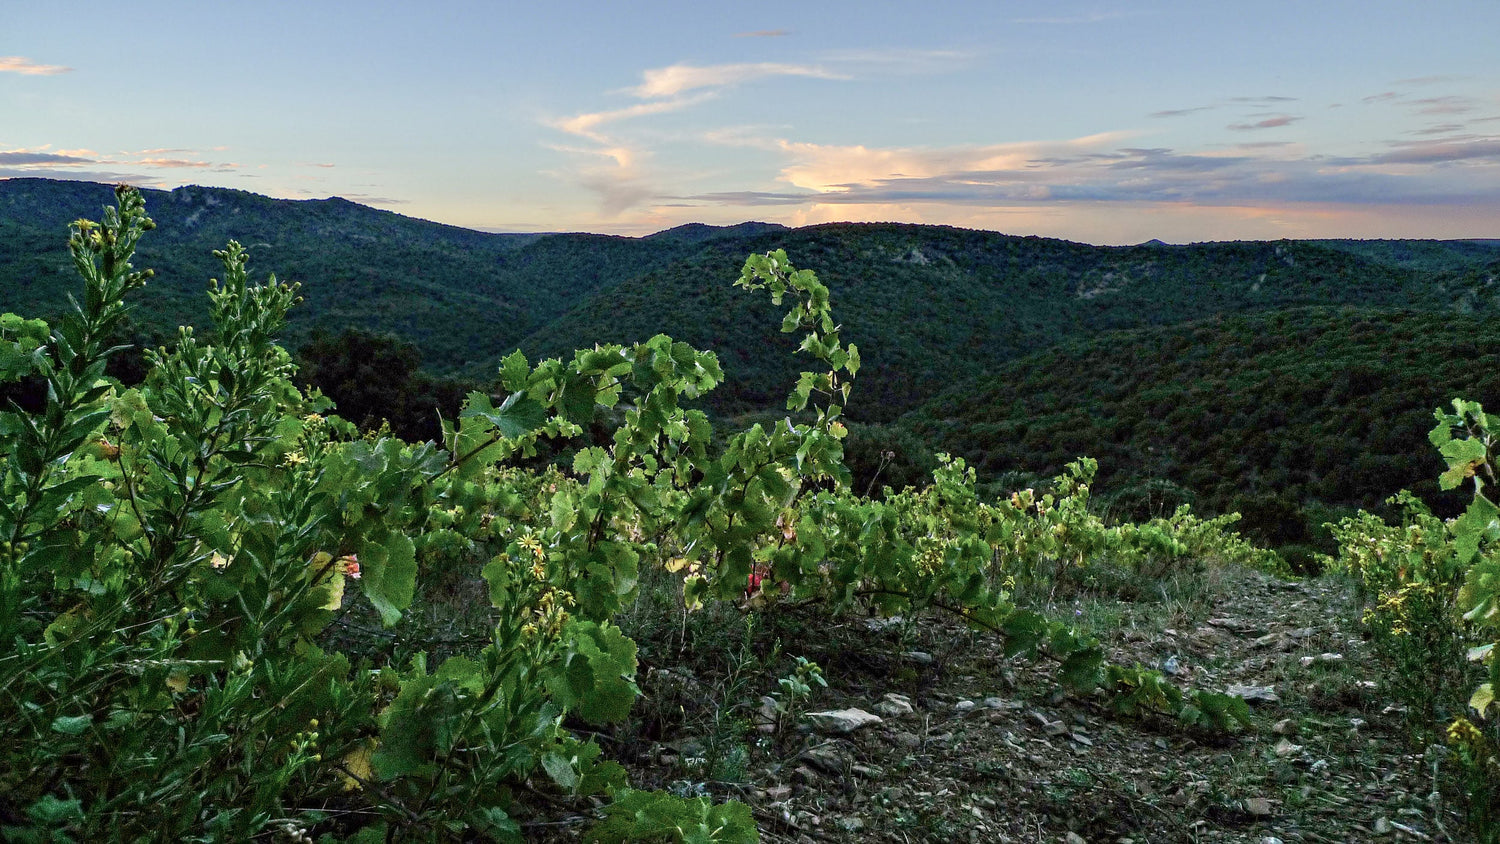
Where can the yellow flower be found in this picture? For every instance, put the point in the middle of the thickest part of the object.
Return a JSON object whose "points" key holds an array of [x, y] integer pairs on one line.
{"points": [[294, 458], [533, 545], [218, 560], [1462, 731]]}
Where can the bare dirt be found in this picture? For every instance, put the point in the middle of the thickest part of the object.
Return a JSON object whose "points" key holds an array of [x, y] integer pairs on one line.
{"points": [[993, 751]]}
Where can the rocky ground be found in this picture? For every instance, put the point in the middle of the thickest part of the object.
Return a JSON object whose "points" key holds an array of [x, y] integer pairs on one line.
{"points": [[941, 739]]}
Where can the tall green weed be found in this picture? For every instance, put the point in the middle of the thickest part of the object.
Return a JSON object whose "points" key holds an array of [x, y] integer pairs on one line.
{"points": [[1433, 594]]}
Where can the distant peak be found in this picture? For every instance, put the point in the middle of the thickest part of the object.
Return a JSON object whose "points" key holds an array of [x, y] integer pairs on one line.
{"points": [[704, 231]]}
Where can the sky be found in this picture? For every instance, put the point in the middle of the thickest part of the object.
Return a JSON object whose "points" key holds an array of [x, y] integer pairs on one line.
{"points": [[1100, 122]]}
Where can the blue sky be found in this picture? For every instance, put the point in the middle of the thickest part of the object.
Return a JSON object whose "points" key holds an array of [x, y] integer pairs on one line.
{"points": [[1104, 122]]}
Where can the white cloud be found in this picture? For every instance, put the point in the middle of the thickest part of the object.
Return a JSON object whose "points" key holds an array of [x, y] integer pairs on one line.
{"points": [[27, 67], [586, 125], [675, 79], [625, 183], [839, 169]]}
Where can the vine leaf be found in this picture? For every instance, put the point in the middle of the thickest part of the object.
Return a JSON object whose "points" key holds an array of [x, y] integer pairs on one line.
{"points": [[516, 417], [389, 575]]}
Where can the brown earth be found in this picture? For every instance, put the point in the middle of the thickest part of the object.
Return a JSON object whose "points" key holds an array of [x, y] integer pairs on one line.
{"points": [[993, 751]]}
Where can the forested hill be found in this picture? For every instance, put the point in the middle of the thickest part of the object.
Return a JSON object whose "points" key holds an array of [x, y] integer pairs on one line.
{"points": [[463, 297], [1277, 415], [929, 306]]}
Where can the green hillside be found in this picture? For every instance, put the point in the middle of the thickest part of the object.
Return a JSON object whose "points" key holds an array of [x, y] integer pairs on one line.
{"points": [[464, 297], [1423, 254], [1260, 413], [930, 306]]}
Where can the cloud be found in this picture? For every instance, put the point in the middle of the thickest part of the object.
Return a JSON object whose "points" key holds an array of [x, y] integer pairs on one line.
{"points": [[1427, 80], [27, 67], [675, 79], [1439, 129], [586, 125], [1427, 105], [763, 33], [21, 157], [1444, 105], [618, 191], [1165, 160], [750, 197], [844, 169], [176, 163], [107, 176], [1064, 177], [1268, 123], [1178, 112], [44, 162], [1442, 152], [624, 182]]}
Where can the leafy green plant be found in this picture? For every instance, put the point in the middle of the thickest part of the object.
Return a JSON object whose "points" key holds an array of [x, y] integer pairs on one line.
{"points": [[1411, 578], [174, 553], [1434, 593], [799, 684]]}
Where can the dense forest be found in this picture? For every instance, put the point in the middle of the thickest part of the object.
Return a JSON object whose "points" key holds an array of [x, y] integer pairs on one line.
{"points": [[1286, 416]]}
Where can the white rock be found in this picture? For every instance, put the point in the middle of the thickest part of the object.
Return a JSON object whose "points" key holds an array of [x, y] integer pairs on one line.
{"points": [[1260, 806], [842, 720], [894, 706], [1252, 693]]}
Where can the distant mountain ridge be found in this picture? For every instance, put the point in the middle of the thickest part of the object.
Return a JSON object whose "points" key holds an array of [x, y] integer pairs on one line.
{"points": [[928, 305], [700, 232], [463, 296]]}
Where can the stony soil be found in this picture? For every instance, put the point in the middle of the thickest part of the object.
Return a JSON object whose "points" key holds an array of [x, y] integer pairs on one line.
{"points": [[992, 751]]}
